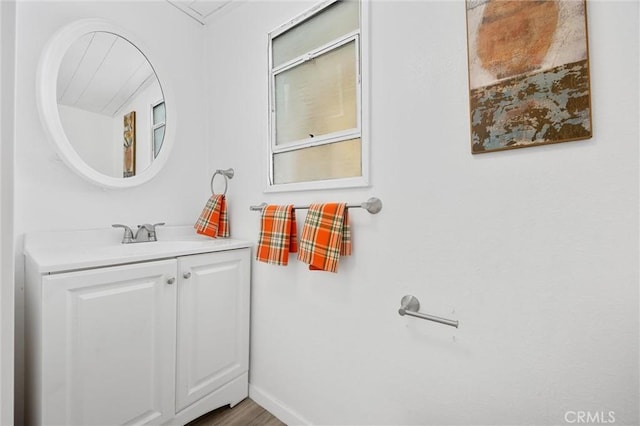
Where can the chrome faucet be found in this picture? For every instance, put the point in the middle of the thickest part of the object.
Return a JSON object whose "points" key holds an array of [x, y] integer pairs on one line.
{"points": [[145, 233]]}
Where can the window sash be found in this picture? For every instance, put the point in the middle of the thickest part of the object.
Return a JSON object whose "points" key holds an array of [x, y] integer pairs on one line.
{"points": [[156, 146], [161, 116], [155, 125], [318, 51], [301, 18], [333, 21], [329, 137], [362, 113], [327, 162]]}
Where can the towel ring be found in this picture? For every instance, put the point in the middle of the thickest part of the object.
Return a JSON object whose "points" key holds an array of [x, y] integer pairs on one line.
{"points": [[226, 174]]}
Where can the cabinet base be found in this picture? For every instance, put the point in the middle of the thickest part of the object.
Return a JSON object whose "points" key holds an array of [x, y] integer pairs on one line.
{"points": [[230, 394]]}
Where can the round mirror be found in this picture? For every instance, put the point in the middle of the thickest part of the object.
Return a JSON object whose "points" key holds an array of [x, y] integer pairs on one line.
{"points": [[103, 104]]}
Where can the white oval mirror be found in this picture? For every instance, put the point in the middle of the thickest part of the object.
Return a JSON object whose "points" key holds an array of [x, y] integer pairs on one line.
{"points": [[104, 104]]}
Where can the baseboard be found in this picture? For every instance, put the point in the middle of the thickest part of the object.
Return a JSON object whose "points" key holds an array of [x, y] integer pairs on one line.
{"points": [[277, 408], [230, 394]]}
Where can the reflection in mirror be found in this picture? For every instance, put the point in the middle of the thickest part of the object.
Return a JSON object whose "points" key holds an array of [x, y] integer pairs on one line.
{"points": [[111, 105]]}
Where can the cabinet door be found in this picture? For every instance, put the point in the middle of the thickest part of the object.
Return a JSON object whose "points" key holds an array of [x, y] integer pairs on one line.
{"points": [[213, 322], [108, 345]]}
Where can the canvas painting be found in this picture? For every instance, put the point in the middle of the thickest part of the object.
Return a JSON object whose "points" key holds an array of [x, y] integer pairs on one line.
{"points": [[528, 73], [129, 144]]}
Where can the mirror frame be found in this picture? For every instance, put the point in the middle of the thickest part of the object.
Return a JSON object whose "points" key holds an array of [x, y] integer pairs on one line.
{"points": [[46, 81]]}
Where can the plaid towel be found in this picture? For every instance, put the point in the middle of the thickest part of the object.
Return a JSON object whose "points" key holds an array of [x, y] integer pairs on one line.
{"points": [[325, 236], [213, 220], [278, 235]]}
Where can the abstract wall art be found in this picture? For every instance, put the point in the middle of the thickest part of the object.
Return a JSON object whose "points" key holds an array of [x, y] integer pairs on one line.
{"points": [[129, 145], [528, 73]]}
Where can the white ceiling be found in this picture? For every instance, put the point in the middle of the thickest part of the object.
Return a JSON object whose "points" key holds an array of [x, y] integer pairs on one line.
{"points": [[101, 73], [200, 10]]}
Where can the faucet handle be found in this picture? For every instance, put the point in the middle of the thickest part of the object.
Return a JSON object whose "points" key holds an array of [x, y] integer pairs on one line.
{"points": [[128, 233], [151, 232], [149, 226], [127, 230]]}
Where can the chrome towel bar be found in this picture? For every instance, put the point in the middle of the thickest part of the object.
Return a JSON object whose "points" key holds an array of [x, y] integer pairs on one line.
{"points": [[373, 205], [410, 305]]}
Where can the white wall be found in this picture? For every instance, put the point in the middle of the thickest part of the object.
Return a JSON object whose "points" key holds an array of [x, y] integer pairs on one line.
{"points": [[92, 136], [48, 195], [534, 251], [7, 110]]}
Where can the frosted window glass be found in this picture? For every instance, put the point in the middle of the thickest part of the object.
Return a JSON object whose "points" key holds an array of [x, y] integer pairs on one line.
{"points": [[158, 137], [317, 97], [337, 20], [159, 113], [330, 161]]}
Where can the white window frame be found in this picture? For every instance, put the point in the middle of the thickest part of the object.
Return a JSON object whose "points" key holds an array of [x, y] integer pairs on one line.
{"points": [[155, 126], [361, 131]]}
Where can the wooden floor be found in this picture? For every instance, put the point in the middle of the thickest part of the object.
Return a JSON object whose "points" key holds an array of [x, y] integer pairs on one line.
{"points": [[246, 413]]}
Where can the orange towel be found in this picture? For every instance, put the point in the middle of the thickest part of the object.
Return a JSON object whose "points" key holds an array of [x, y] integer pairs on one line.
{"points": [[278, 235], [325, 236], [213, 220]]}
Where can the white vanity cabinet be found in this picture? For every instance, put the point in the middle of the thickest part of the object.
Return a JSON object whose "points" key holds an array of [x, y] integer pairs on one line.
{"points": [[151, 342]]}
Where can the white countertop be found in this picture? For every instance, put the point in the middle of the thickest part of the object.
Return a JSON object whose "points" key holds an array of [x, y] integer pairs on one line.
{"points": [[58, 251]]}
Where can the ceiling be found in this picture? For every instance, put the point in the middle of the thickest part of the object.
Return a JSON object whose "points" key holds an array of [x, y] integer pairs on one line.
{"points": [[102, 72], [200, 10]]}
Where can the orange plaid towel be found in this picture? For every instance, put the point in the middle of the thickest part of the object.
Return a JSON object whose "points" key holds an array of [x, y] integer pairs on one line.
{"points": [[278, 235], [213, 220], [325, 236]]}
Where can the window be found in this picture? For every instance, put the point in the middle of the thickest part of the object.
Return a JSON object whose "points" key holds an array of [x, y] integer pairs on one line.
{"points": [[158, 113], [317, 122]]}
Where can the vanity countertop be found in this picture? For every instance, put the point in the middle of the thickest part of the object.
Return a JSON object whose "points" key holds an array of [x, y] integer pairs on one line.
{"points": [[59, 251]]}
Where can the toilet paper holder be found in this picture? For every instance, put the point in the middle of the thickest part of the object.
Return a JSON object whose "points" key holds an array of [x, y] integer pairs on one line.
{"points": [[410, 305]]}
